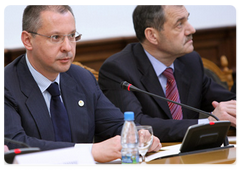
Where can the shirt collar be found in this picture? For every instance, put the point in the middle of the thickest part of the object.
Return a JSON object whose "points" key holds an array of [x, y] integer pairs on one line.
{"points": [[158, 66], [42, 81]]}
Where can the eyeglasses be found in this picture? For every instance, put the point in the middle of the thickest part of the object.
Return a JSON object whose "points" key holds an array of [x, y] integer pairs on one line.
{"points": [[59, 38]]}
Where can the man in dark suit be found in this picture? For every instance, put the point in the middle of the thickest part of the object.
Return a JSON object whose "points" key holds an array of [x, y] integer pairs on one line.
{"points": [[49, 36], [165, 42]]}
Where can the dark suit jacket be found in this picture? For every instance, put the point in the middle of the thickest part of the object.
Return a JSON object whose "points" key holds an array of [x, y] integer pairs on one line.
{"points": [[27, 118], [195, 89]]}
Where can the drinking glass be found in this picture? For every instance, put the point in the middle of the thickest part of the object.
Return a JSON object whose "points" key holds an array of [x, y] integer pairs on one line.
{"points": [[145, 134]]}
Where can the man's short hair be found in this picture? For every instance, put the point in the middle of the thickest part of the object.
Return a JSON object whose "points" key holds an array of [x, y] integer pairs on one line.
{"points": [[145, 16], [31, 17]]}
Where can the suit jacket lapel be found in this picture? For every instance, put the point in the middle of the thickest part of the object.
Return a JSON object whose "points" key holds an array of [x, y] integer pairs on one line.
{"points": [[183, 80], [77, 113], [149, 78], [35, 101]]}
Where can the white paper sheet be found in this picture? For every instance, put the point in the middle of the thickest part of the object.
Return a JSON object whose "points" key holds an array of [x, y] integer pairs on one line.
{"points": [[165, 151], [73, 155]]}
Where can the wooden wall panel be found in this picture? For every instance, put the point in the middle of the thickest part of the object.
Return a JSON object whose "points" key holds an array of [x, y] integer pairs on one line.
{"points": [[209, 43], [94, 53], [213, 43]]}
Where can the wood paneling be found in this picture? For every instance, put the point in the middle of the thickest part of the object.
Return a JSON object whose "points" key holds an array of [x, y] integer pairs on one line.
{"points": [[213, 43], [209, 43], [94, 53]]}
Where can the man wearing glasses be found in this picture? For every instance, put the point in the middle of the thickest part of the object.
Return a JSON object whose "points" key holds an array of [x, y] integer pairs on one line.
{"points": [[43, 80]]}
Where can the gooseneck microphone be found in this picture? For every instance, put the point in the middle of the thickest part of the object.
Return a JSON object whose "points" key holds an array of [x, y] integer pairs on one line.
{"points": [[127, 86], [16, 142], [10, 155]]}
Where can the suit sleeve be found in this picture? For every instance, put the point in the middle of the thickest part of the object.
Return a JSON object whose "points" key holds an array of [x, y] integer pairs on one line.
{"points": [[14, 130]]}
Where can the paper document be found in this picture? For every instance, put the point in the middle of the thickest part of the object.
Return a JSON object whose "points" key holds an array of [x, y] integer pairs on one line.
{"points": [[72, 155], [165, 151]]}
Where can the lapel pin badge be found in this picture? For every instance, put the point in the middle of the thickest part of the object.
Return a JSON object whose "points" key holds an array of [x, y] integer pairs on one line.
{"points": [[81, 103]]}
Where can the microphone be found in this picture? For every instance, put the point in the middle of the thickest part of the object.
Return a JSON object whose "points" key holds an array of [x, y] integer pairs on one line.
{"points": [[10, 155], [127, 86], [16, 142]]}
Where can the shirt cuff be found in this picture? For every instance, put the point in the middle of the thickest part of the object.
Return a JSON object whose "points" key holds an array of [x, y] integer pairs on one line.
{"points": [[84, 145], [203, 121]]}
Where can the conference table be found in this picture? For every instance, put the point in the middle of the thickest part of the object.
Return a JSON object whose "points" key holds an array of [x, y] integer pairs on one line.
{"points": [[222, 156], [226, 156]]}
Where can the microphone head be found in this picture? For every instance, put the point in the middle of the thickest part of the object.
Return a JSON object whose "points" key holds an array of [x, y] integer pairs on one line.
{"points": [[125, 85]]}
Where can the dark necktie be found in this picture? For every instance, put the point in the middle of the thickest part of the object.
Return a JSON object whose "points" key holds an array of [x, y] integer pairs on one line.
{"points": [[172, 94], [59, 115]]}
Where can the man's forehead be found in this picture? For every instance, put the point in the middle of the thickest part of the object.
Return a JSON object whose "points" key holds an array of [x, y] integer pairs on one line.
{"points": [[175, 12], [52, 19], [50, 14]]}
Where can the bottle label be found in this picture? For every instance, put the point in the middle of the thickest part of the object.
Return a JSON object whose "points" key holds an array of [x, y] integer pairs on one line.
{"points": [[130, 159]]}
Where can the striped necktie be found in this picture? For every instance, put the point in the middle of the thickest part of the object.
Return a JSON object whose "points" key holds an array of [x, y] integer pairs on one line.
{"points": [[172, 94]]}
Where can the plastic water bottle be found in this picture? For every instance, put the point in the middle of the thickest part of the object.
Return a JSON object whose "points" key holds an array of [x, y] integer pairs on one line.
{"points": [[129, 140]]}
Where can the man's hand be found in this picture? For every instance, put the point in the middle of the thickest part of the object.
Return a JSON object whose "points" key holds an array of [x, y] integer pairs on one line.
{"points": [[6, 148], [225, 111], [156, 145], [107, 150], [145, 136], [110, 149]]}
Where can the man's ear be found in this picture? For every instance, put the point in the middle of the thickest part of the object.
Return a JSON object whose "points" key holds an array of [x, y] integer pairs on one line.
{"points": [[151, 35], [27, 40]]}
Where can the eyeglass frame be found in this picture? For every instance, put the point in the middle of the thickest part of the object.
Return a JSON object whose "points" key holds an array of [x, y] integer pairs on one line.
{"points": [[63, 36]]}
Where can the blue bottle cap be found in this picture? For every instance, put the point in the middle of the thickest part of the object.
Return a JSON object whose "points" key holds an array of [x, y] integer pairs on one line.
{"points": [[128, 115]]}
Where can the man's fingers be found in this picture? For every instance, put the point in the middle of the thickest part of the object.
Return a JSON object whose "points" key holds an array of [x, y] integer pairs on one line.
{"points": [[156, 145]]}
